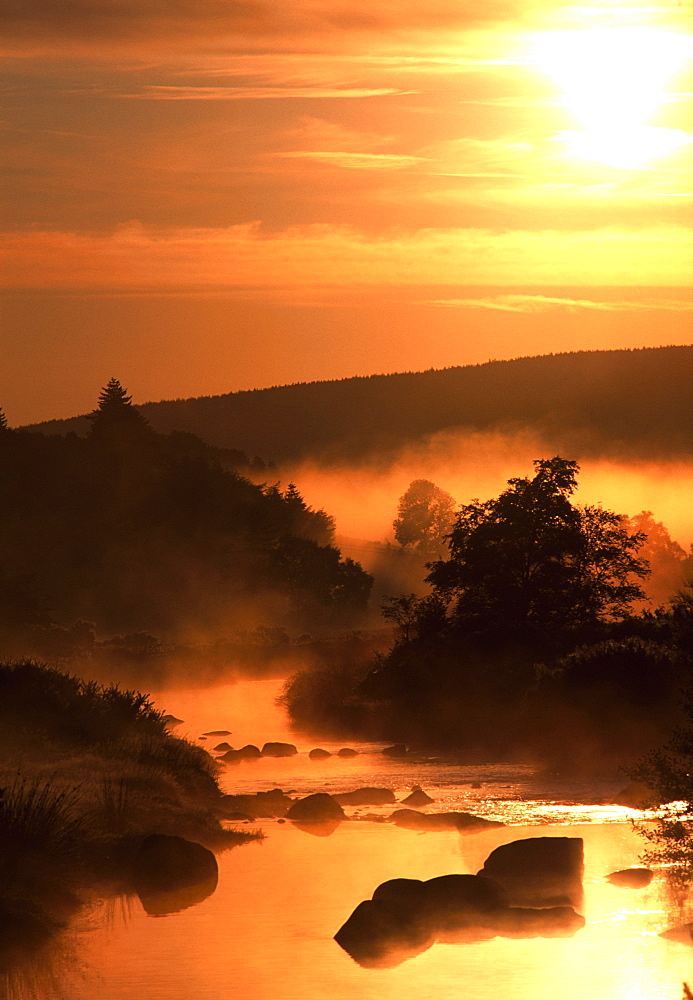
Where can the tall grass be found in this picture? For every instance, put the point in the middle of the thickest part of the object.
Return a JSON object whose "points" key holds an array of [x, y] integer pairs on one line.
{"points": [[36, 814], [39, 701]]}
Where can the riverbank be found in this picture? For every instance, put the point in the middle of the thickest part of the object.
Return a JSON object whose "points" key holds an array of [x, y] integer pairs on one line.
{"points": [[87, 775]]}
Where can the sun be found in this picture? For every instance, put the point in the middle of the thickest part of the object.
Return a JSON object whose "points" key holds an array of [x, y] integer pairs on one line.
{"points": [[613, 80]]}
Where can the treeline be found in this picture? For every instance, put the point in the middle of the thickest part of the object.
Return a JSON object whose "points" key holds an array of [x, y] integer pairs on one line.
{"points": [[614, 403], [134, 530], [530, 643]]}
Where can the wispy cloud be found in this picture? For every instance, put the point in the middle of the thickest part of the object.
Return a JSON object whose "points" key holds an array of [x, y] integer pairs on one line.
{"points": [[542, 303], [356, 161], [173, 93]]}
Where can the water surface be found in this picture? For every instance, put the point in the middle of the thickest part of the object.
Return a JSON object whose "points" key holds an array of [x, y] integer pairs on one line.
{"points": [[267, 931]]}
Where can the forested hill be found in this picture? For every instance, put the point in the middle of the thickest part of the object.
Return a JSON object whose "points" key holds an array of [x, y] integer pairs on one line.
{"points": [[633, 402]]}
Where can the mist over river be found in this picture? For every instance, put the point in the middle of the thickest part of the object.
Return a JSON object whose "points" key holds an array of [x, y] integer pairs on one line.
{"points": [[267, 931]]}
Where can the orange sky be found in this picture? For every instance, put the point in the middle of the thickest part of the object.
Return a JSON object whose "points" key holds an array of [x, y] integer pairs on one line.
{"points": [[221, 195]]}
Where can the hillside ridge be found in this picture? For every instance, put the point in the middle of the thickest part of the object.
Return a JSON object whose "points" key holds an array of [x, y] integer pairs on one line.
{"points": [[596, 402]]}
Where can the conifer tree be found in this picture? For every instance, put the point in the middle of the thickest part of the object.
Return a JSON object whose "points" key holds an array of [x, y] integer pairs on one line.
{"points": [[115, 412]]}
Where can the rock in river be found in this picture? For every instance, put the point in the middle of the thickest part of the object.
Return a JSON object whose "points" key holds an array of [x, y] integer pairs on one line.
{"points": [[406, 916], [417, 798], [631, 878], [171, 873], [279, 750], [367, 797], [539, 871], [410, 819], [316, 808]]}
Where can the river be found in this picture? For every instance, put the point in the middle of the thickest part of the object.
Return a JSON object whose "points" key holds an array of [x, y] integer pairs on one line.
{"points": [[267, 931]]}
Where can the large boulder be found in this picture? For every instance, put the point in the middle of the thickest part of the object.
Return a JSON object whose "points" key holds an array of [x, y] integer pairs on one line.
{"points": [[367, 797], [406, 916], [279, 750], [317, 808], [417, 798], [171, 873], [319, 754], [380, 934], [410, 819], [539, 871], [347, 752], [249, 752]]}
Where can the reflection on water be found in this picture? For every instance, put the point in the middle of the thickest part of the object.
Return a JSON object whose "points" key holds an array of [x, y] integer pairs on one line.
{"points": [[268, 929]]}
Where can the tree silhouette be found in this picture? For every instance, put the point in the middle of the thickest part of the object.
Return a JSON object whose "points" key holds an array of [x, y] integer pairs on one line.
{"points": [[3, 421], [425, 515], [115, 416], [530, 558]]}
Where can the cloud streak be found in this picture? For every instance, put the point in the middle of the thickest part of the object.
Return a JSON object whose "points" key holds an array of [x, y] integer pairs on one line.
{"points": [[325, 256], [158, 92], [543, 303]]}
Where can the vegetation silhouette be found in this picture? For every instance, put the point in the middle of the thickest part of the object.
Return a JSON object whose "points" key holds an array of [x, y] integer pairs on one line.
{"points": [[88, 775], [425, 514], [633, 403], [529, 644], [135, 530]]}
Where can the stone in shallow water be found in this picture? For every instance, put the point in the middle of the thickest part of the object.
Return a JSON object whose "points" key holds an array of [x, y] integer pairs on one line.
{"points": [[417, 798], [539, 871], [367, 797], [410, 819], [631, 878], [171, 873], [319, 754], [279, 750], [317, 808]]}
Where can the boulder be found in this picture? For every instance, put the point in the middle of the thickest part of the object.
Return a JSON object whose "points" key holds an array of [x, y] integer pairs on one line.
{"points": [[165, 865], [402, 891], [317, 808], [417, 798], [218, 732], [396, 750], [319, 754], [231, 757], [452, 904], [249, 752], [367, 797], [405, 916], [170, 721], [279, 750], [631, 878], [222, 747], [347, 752], [539, 871], [380, 934], [410, 819]]}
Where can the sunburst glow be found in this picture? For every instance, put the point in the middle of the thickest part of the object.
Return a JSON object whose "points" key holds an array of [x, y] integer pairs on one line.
{"points": [[613, 80]]}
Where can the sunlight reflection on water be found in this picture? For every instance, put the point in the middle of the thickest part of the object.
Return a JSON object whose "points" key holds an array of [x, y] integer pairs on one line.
{"points": [[267, 931]]}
